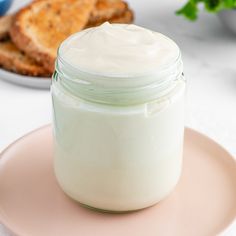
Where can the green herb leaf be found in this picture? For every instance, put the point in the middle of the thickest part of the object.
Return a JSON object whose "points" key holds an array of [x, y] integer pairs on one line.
{"points": [[229, 3], [190, 9], [213, 5]]}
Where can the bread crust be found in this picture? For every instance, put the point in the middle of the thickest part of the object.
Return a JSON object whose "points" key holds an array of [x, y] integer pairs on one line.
{"points": [[12, 59], [5, 24], [126, 18], [107, 9]]}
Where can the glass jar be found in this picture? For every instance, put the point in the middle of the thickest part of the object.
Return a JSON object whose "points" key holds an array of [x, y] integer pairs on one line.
{"points": [[118, 139]]}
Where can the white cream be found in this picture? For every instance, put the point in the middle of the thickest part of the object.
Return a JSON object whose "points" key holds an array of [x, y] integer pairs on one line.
{"points": [[119, 49], [118, 158]]}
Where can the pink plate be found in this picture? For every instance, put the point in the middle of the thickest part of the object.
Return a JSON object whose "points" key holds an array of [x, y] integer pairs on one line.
{"points": [[32, 204]]}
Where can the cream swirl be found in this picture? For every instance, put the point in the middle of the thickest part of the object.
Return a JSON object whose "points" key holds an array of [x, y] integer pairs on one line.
{"points": [[119, 49]]}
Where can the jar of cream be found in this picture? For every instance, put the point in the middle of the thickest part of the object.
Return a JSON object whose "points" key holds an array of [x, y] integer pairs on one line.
{"points": [[118, 101]]}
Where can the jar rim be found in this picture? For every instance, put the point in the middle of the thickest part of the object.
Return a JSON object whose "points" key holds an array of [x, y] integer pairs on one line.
{"points": [[117, 89], [65, 69]]}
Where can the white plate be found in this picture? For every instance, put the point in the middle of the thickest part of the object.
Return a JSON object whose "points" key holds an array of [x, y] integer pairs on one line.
{"points": [[28, 81]]}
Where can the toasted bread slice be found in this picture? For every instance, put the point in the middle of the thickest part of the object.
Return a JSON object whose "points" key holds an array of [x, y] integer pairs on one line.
{"points": [[39, 28], [107, 9], [5, 24], [11, 58], [126, 18]]}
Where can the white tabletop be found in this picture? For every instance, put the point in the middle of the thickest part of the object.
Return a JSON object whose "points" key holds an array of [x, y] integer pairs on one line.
{"points": [[209, 55]]}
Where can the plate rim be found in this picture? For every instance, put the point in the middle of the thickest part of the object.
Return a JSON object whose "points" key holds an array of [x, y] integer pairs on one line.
{"points": [[35, 82]]}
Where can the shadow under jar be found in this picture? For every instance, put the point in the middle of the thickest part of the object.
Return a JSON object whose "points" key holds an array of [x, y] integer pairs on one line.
{"points": [[118, 137]]}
